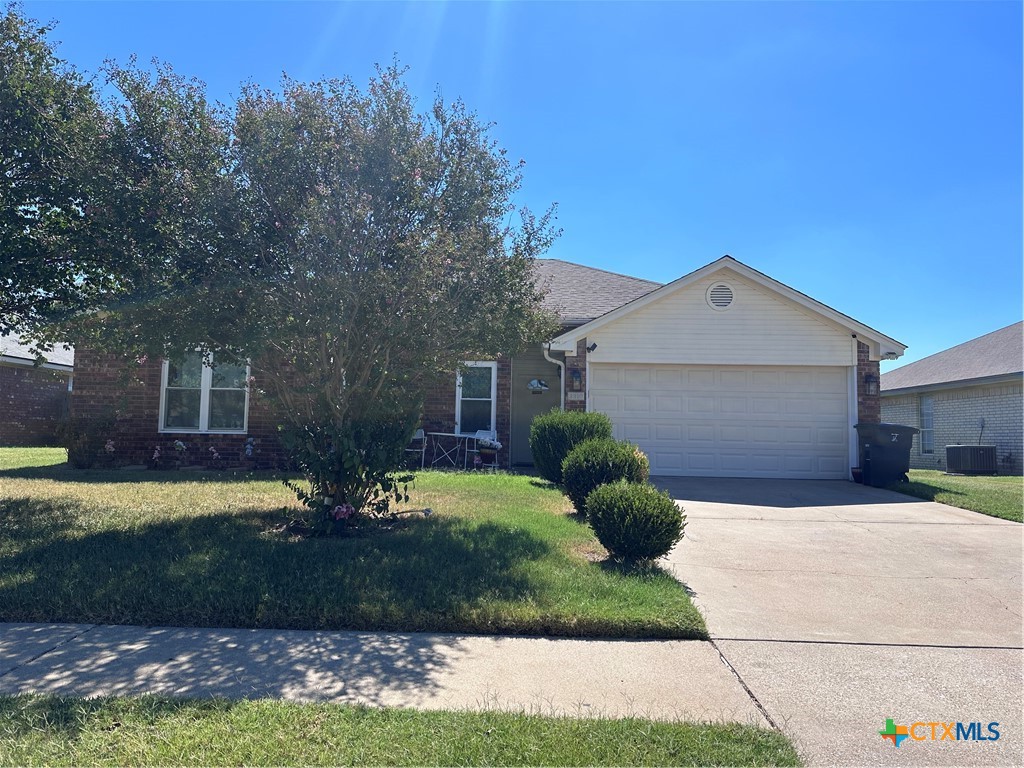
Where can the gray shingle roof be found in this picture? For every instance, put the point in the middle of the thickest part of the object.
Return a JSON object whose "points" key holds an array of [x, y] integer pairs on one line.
{"points": [[578, 294], [998, 353], [12, 346]]}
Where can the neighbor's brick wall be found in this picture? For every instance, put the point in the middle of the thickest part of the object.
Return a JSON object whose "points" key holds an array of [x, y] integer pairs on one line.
{"points": [[869, 409], [577, 363], [101, 389], [956, 417], [32, 402]]}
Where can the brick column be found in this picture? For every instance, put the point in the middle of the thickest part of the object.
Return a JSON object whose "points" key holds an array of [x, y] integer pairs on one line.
{"points": [[869, 407], [577, 363]]}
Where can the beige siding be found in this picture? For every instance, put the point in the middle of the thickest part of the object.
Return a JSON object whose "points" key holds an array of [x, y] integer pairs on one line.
{"points": [[759, 328], [957, 414]]}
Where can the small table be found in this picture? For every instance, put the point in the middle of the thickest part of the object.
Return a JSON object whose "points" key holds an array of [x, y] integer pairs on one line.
{"points": [[450, 454]]}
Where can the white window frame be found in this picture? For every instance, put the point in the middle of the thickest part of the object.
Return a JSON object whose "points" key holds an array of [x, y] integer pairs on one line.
{"points": [[927, 436], [205, 385], [493, 398]]}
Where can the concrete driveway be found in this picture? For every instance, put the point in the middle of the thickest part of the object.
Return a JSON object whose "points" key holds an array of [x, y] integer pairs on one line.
{"points": [[840, 606]]}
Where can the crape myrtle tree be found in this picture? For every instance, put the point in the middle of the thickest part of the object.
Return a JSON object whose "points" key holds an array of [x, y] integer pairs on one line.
{"points": [[384, 253], [345, 246]]}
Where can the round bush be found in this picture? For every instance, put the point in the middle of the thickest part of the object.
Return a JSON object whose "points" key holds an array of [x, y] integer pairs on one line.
{"points": [[597, 462], [634, 522], [554, 434]]}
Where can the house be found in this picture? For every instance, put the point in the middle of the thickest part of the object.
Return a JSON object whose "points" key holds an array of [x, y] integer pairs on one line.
{"points": [[724, 371], [33, 392], [970, 394]]}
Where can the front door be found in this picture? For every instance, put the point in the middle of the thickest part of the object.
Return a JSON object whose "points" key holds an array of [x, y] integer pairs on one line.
{"points": [[528, 401]]}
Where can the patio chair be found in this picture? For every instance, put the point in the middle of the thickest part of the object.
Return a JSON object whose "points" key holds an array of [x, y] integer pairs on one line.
{"points": [[418, 444]]}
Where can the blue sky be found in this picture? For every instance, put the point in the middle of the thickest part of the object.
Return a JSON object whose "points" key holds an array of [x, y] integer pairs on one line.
{"points": [[867, 154]]}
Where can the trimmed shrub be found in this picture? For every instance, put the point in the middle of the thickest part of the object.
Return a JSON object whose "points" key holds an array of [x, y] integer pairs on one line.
{"points": [[635, 522], [597, 462], [554, 434]]}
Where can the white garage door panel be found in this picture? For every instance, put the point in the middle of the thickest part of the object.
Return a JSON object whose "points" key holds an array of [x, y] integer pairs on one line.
{"points": [[729, 420]]}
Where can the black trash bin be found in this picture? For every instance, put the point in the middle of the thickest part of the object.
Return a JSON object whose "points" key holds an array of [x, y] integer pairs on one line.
{"points": [[885, 452]]}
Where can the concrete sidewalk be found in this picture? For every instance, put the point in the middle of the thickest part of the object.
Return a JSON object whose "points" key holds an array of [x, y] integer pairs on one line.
{"points": [[614, 678]]}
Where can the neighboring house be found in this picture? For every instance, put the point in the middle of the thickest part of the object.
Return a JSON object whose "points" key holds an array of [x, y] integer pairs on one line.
{"points": [[722, 372], [33, 392], [970, 394]]}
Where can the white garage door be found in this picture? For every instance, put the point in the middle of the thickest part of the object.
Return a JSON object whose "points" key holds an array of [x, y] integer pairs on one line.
{"points": [[729, 421]]}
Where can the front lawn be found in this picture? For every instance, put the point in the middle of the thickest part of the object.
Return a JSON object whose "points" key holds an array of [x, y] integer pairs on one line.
{"points": [[996, 496], [36, 730], [500, 555]]}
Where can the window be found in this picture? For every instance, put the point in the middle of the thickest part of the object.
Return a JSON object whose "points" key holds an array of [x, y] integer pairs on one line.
{"points": [[196, 397], [475, 396], [927, 422]]}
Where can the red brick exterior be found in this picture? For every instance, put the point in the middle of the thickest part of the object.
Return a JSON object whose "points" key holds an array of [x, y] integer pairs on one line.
{"points": [[439, 408], [869, 407], [32, 403], [105, 388], [574, 365]]}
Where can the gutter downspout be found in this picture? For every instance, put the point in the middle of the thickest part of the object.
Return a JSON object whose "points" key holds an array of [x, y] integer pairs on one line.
{"points": [[546, 348]]}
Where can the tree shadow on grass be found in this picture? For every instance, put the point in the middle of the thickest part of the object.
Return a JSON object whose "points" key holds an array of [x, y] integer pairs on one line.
{"points": [[227, 570], [634, 568], [64, 473], [65, 718], [547, 485]]}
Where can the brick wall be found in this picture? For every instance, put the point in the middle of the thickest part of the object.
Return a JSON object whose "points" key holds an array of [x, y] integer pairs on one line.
{"points": [[956, 420], [869, 409], [439, 409], [32, 402], [577, 363], [105, 388]]}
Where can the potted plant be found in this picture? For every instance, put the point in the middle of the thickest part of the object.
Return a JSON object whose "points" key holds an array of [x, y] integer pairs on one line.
{"points": [[180, 449], [487, 451]]}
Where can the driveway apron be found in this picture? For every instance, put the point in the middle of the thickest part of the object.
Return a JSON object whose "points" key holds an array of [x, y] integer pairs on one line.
{"points": [[842, 606]]}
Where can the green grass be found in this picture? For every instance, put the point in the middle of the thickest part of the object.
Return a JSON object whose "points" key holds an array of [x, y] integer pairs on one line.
{"points": [[20, 458], [37, 730], [996, 496], [500, 555]]}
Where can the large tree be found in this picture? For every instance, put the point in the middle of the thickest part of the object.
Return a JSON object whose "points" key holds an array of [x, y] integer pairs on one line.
{"points": [[347, 246], [49, 122], [101, 204]]}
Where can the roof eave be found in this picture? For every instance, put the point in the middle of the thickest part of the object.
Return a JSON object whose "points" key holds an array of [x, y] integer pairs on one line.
{"points": [[22, 362], [955, 384]]}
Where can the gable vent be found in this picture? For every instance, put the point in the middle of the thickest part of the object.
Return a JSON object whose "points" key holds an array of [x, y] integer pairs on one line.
{"points": [[720, 296]]}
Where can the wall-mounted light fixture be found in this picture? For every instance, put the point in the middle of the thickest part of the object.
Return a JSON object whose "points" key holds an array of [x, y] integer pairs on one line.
{"points": [[576, 379], [592, 347], [871, 384]]}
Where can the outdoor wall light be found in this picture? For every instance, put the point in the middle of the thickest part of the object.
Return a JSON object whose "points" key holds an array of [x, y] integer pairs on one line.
{"points": [[576, 379], [871, 384], [592, 347]]}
